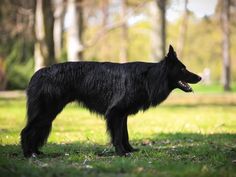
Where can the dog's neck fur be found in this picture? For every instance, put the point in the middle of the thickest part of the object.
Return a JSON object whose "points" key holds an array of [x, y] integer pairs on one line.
{"points": [[158, 89]]}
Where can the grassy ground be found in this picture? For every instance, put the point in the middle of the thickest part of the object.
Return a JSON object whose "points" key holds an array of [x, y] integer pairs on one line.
{"points": [[188, 135]]}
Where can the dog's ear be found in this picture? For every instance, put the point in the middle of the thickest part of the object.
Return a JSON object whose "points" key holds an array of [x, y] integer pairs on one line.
{"points": [[171, 49], [171, 52]]}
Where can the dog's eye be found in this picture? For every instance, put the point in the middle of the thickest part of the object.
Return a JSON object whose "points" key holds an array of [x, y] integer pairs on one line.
{"points": [[183, 69]]}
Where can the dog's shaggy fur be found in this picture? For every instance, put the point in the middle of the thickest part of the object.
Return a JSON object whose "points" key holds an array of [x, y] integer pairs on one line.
{"points": [[110, 89]]}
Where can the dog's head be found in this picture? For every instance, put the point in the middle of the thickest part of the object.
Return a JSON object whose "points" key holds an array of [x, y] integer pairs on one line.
{"points": [[178, 75]]}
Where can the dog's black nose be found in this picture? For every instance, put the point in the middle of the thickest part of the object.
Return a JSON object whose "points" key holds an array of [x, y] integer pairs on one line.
{"points": [[199, 78]]}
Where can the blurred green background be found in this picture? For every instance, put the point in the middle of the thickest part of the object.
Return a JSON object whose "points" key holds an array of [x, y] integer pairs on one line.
{"points": [[117, 31]]}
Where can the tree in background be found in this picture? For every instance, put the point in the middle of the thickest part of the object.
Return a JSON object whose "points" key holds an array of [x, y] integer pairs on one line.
{"points": [[16, 43], [44, 45], [58, 26], [105, 12], [124, 32], [225, 15], [75, 30], [183, 31], [103, 35], [158, 13], [2, 76]]}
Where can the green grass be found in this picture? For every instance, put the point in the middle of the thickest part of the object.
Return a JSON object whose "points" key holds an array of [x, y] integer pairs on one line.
{"points": [[212, 88], [188, 135]]}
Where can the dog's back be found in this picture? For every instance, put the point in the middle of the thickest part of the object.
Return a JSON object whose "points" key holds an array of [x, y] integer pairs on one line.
{"points": [[96, 85]]}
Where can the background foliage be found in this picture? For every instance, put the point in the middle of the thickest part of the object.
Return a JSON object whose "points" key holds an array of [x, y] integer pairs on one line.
{"points": [[202, 47]]}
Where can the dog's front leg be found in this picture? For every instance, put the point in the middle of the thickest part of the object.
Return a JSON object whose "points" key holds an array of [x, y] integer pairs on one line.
{"points": [[117, 139], [125, 137], [115, 128]]}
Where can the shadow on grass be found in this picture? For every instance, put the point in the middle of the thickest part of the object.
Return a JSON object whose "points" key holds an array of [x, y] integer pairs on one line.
{"points": [[179, 154], [162, 144]]}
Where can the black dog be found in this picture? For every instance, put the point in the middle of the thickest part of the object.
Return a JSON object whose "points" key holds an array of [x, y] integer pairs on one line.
{"points": [[110, 89]]}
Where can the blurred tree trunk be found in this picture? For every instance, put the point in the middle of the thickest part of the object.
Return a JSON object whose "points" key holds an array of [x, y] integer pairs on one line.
{"points": [[158, 12], [124, 33], [105, 12], [225, 15], [75, 30], [2, 76], [44, 46], [183, 31], [58, 26]]}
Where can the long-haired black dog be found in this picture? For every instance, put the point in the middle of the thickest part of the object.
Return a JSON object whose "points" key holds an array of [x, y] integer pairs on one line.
{"points": [[110, 89]]}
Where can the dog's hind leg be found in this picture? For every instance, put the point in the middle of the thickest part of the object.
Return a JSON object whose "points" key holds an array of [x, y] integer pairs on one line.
{"points": [[125, 137], [37, 130], [34, 135], [115, 128]]}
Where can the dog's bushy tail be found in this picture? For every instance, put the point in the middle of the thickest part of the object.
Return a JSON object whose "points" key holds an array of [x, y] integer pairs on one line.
{"points": [[39, 118]]}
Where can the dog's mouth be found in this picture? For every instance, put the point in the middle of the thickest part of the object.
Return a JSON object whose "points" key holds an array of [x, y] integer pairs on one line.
{"points": [[184, 86]]}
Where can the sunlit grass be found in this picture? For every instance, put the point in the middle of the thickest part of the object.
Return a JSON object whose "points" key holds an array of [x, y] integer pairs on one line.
{"points": [[188, 135], [212, 88]]}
